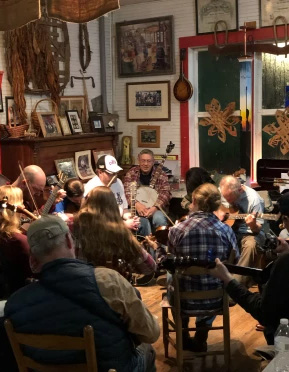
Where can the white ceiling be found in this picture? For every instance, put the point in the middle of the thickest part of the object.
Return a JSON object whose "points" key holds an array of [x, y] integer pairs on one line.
{"points": [[129, 2]]}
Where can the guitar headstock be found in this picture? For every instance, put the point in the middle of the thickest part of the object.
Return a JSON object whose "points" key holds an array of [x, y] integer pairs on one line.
{"points": [[169, 148]]}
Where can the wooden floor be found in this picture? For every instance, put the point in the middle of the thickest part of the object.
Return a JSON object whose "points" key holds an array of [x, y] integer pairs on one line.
{"points": [[244, 338]]}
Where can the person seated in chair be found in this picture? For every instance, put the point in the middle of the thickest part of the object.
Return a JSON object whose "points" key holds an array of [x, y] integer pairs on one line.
{"points": [[204, 237], [143, 174], [71, 294], [272, 304]]}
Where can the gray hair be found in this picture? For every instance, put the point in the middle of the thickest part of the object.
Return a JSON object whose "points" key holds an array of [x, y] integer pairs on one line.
{"points": [[146, 152], [231, 184]]}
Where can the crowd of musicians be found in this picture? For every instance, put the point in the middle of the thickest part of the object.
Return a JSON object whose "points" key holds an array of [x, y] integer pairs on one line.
{"points": [[73, 266]]}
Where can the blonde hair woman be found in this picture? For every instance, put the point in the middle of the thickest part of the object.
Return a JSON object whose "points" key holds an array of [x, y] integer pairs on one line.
{"points": [[103, 238], [14, 249]]}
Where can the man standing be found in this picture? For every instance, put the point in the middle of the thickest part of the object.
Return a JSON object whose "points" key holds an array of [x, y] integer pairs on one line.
{"points": [[250, 234], [106, 169], [71, 294], [143, 174], [204, 237]]}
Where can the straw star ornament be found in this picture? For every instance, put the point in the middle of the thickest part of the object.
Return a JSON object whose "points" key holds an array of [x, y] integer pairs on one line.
{"points": [[280, 133]]}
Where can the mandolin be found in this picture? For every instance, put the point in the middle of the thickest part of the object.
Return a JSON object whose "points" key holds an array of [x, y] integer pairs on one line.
{"points": [[171, 263], [183, 89]]}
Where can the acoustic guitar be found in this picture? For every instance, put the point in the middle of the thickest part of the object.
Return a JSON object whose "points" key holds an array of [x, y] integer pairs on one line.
{"points": [[171, 262], [183, 89], [147, 195]]}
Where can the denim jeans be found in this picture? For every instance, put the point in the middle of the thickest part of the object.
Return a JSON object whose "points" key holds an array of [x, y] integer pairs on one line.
{"points": [[148, 355]]}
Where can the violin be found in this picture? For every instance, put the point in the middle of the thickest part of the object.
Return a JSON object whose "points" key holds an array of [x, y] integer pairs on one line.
{"points": [[16, 209]]}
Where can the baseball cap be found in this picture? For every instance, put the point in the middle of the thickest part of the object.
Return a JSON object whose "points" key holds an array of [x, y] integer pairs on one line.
{"points": [[108, 163], [47, 227], [284, 204]]}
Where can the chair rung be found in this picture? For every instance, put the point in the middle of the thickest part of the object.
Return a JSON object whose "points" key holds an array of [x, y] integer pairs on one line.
{"points": [[205, 353], [172, 342]]}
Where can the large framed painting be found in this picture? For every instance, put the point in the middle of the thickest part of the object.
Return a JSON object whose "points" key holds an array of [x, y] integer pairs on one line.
{"points": [[209, 12], [271, 9], [148, 135], [145, 47], [148, 101]]}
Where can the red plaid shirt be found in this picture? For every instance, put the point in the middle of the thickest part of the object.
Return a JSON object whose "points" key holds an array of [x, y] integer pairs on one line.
{"points": [[162, 185]]}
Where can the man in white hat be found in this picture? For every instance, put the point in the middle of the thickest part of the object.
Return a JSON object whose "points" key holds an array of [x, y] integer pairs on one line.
{"points": [[106, 169]]}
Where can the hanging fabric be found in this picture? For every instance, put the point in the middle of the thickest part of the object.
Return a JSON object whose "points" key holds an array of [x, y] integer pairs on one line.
{"points": [[80, 11]]}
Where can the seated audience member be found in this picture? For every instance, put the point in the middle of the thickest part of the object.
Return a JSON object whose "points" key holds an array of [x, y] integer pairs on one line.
{"points": [[106, 169], [204, 237], [195, 177], [74, 194], [14, 249], [71, 294], [143, 174], [35, 178], [273, 303], [108, 239], [250, 234]]}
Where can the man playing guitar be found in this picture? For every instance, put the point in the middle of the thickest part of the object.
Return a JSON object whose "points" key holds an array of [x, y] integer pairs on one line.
{"points": [[144, 174]]}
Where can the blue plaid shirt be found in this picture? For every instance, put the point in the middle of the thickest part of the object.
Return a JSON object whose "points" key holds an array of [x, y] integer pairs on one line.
{"points": [[204, 237]]}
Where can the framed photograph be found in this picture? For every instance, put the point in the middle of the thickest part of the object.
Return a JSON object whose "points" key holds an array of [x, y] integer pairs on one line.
{"points": [[98, 153], [1, 101], [49, 124], [270, 9], [77, 103], [148, 101], [74, 121], [66, 166], [208, 12], [96, 122], [83, 164], [145, 47], [64, 126], [12, 114], [148, 136]]}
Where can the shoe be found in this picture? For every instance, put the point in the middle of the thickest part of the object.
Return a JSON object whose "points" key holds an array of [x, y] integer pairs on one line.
{"points": [[191, 345], [162, 281]]}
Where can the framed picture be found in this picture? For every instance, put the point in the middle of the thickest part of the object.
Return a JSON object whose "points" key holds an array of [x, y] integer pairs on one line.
{"points": [[12, 114], [77, 103], [148, 101], [1, 101], [96, 122], [208, 12], [98, 153], [83, 164], [145, 47], [49, 124], [148, 136], [74, 121], [270, 9], [64, 126], [66, 166]]}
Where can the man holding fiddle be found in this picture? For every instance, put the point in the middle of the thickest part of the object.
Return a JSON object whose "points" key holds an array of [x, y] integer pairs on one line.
{"points": [[273, 303], [143, 174]]}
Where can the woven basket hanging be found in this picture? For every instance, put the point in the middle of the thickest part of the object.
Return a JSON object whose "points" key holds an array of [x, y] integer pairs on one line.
{"points": [[34, 118]]}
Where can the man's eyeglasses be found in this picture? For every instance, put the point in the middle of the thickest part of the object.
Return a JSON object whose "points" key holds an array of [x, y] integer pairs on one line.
{"points": [[144, 161]]}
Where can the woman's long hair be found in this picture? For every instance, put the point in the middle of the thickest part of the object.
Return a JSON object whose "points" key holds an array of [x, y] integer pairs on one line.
{"points": [[100, 232], [9, 220]]}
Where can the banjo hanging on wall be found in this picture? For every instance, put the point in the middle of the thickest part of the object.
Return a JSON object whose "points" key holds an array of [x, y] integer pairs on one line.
{"points": [[147, 195], [183, 89]]}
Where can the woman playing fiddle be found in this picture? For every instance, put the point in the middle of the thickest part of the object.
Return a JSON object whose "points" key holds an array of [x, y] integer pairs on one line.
{"points": [[102, 236], [14, 249]]}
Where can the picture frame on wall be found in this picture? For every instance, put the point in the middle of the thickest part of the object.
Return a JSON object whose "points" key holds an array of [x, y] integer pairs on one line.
{"points": [[270, 9], [66, 166], [49, 124], [145, 47], [148, 135], [77, 103], [209, 12], [1, 101], [74, 121], [83, 164], [148, 101], [12, 113]]}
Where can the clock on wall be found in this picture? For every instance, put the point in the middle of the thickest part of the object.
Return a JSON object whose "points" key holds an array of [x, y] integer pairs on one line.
{"points": [[110, 122]]}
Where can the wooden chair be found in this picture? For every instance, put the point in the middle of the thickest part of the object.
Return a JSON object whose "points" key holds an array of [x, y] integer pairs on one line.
{"points": [[175, 325], [53, 342]]}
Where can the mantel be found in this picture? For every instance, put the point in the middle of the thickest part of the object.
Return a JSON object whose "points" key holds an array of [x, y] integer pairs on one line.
{"points": [[43, 151]]}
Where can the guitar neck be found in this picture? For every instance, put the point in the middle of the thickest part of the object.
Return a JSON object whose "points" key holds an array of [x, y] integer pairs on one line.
{"points": [[157, 172], [133, 188], [242, 216], [50, 201]]}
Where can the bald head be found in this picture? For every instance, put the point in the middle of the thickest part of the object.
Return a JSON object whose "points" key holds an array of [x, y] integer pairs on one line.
{"points": [[36, 178], [230, 188]]}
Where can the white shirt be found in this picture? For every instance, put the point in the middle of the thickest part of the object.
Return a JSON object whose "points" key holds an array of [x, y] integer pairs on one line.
{"points": [[117, 188]]}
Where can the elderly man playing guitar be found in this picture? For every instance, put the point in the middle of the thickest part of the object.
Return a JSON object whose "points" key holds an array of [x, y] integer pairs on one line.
{"points": [[154, 194]]}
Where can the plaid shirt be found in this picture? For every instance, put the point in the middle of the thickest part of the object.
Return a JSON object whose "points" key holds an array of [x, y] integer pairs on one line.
{"points": [[162, 186], [205, 237]]}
